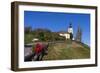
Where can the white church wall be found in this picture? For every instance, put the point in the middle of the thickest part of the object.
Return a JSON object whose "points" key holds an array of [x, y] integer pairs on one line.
{"points": [[70, 30], [66, 35]]}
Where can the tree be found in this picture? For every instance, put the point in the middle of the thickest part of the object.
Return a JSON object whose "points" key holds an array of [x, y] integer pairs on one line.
{"points": [[41, 36], [28, 29]]}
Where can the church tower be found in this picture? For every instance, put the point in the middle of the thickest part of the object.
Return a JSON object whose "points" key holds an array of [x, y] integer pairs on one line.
{"points": [[70, 31], [79, 35]]}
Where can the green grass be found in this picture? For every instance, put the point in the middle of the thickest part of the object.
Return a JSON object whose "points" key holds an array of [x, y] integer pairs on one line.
{"points": [[28, 38], [67, 50]]}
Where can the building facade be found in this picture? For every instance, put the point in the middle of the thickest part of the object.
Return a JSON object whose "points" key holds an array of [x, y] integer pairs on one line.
{"points": [[69, 33]]}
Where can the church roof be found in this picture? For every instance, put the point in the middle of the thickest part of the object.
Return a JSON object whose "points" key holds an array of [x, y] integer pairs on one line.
{"points": [[63, 32]]}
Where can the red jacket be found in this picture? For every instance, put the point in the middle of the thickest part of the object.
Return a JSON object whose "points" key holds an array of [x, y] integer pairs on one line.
{"points": [[38, 48]]}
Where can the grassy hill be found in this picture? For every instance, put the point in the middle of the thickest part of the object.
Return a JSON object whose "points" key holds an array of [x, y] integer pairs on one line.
{"points": [[67, 50]]}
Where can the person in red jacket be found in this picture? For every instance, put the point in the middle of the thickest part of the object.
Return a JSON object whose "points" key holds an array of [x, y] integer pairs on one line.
{"points": [[39, 51], [38, 48]]}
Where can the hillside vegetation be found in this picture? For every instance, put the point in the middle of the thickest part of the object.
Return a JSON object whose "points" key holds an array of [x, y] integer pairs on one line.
{"points": [[67, 50], [59, 47], [42, 34]]}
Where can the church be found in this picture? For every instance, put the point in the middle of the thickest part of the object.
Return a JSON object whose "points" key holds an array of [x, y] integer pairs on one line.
{"points": [[69, 33]]}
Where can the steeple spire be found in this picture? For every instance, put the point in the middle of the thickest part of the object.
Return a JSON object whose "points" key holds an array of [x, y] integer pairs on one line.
{"points": [[70, 25], [79, 34]]}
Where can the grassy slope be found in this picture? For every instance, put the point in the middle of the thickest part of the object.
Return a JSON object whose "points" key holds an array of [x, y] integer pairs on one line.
{"points": [[67, 50]]}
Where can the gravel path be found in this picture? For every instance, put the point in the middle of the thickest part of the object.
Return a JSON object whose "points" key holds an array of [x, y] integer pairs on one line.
{"points": [[27, 51]]}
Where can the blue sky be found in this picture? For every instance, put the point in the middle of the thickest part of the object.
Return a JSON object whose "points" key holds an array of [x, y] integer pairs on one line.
{"points": [[57, 21]]}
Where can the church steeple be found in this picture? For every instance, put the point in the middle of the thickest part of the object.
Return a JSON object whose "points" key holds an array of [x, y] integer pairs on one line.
{"points": [[70, 25], [79, 34], [70, 31]]}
